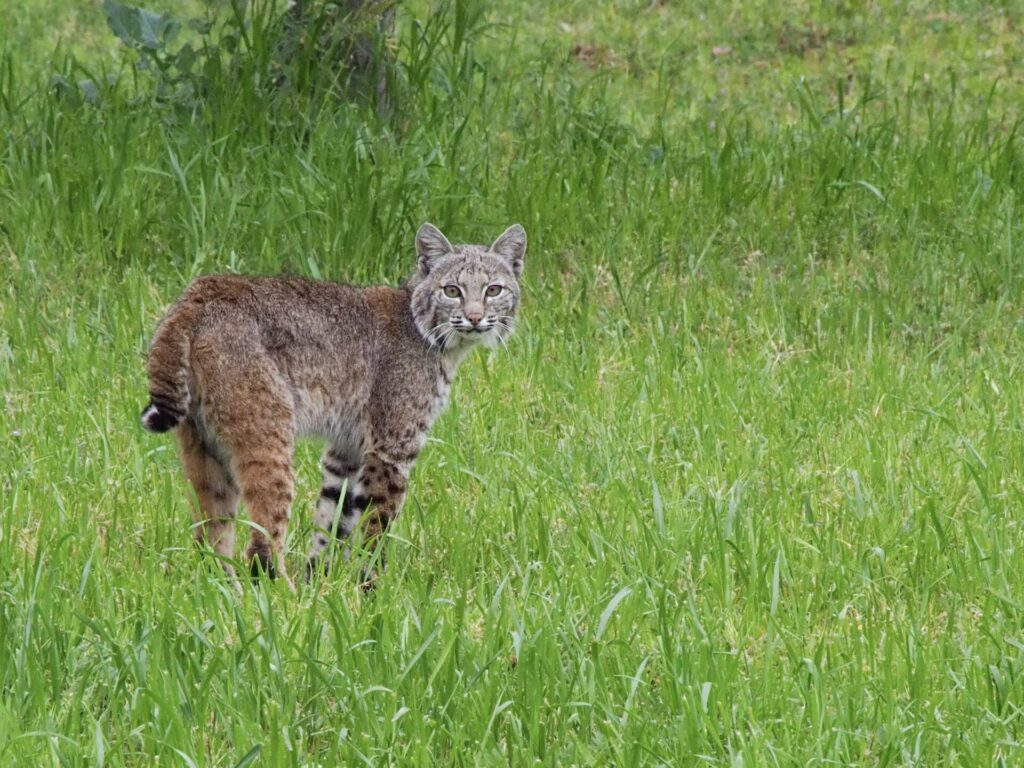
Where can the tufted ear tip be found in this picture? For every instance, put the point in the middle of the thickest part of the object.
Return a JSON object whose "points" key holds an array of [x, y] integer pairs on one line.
{"points": [[430, 245], [511, 245]]}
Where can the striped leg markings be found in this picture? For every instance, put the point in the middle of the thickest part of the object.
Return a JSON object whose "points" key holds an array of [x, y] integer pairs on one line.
{"points": [[379, 491], [329, 517]]}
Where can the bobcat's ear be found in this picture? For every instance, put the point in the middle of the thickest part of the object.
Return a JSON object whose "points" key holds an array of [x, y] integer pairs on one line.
{"points": [[431, 244], [511, 245]]}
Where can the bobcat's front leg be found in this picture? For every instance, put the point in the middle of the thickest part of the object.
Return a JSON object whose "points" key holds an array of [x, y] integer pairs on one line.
{"points": [[339, 475], [378, 495]]}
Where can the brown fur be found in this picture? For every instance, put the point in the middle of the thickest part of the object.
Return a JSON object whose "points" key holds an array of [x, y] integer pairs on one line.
{"points": [[243, 366]]}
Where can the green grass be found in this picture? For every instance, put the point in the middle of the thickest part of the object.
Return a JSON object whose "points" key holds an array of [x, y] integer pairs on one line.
{"points": [[747, 487]]}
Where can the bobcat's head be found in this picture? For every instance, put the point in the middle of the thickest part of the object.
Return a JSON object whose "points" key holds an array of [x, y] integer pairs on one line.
{"points": [[464, 295]]}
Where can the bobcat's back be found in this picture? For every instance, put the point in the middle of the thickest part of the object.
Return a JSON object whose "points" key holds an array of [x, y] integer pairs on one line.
{"points": [[324, 339]]}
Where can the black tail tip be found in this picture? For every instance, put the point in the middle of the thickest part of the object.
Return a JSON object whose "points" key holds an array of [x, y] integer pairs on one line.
{"points": [[156, 420]]}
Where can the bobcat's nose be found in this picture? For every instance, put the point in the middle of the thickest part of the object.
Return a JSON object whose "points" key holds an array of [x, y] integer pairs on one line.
{"points": [[474, 317]]}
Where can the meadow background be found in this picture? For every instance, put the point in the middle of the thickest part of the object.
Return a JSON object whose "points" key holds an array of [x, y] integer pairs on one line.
{"points": [[745, 488]]}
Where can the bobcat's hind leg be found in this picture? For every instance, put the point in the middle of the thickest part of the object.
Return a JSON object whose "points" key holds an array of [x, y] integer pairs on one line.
{"points": [[249, 408], [216, 494], [339, 475], [265, 474]]}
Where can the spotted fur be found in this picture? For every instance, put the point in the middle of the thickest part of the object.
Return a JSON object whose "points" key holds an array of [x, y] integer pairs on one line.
{"points": [[241, 367]]}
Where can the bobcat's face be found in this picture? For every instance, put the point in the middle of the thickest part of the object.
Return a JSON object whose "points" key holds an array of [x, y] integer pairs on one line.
{"points": [[467, 294]]}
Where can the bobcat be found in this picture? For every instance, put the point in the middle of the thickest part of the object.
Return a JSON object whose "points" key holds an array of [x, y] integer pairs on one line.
{"points": [[242, 366]]}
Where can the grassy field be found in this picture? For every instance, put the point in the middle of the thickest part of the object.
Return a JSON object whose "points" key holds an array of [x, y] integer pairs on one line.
{"points": [[746, 488]]}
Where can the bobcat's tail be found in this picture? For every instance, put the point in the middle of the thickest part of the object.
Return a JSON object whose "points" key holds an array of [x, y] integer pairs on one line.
{"points": [[169, 370]]}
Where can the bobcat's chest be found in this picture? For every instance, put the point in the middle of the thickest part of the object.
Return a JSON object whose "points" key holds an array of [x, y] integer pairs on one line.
{"points": [[441, 394], [442, 389]]}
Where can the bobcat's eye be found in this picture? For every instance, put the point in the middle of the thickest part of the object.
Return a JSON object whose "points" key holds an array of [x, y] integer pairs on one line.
{"points": [[493, 290], [452, 291]]}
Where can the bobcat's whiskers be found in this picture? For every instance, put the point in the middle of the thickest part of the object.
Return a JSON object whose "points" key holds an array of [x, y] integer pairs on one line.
{"points": [[440, 333], [502, 330]]}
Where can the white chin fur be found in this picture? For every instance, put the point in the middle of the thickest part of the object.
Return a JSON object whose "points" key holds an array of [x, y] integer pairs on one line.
{"points": [[488, 338]]}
